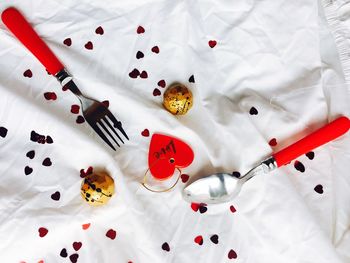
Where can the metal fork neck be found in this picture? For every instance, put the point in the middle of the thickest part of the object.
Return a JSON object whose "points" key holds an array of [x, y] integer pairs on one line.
{"points": [[66, 81]]}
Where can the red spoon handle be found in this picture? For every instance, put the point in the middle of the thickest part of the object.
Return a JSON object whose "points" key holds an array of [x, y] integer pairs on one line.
{"points": [[20, 27], [323, 135]]}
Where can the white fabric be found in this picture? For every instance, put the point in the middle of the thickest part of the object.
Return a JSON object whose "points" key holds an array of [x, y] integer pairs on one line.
{"points": [[282, 57]]}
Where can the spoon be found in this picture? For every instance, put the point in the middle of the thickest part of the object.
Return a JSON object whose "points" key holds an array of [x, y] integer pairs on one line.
{"points": [[222, 187]]}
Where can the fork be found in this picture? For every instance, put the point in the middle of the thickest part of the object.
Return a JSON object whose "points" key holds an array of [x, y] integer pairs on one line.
{"points": [[95, 113]]}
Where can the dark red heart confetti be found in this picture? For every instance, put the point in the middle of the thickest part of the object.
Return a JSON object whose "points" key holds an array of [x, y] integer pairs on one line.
{"points": [[156, 92], [49, 140], [198, 240], [28, 73], [232, 254], [50, 95], [88, 171], [191, 79], [155, 49], [3, 132], [273, 142], [64, 88], [74, 258], [77, 245], [140, 30], [310, 155], [106, 103], [139, 55], [319, 189], [63, 253], [89, 45], [56, 196], [42, 231], [30, 154], [236, 174], [195, 206], [67, 42], [28, 170], [184, 178], [145, 133], [166, 246], [214, 239], [144, 74], [111, 234], [253, 111], [232, 208], [203, 209], [212, 43], [299, 166], [75, 109], [47, 162], [99, 31], [161, 83], [80, 119], [134, 73]]}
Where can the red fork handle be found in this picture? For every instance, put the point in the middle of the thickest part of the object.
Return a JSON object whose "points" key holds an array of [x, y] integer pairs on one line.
{"points": [[323, 135], [20, 27]]}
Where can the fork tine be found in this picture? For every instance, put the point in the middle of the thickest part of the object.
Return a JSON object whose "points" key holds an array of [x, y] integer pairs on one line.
{"points": [[107, 131], [99, 132], [110, 126], [117, 124]]}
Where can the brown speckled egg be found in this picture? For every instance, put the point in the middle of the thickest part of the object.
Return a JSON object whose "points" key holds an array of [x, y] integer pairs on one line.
{"points": [[178, 99], [97, 188]]}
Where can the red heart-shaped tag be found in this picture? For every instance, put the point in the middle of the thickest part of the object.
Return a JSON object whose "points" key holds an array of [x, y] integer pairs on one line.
{"points": [[167, 153]]}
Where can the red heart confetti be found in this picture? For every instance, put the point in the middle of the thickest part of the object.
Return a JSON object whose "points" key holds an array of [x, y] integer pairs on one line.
{"points": [[232, 208], [48, 139], [86, 226], [41, 261], [31, 154], [75, 109], [140, 30], [42, 231], [139, 55], [134, 73], [67, 42], [99, 31], [161, 83], [89, 45], [184, 178], [56, 196], [3, 132], [156, 92], [195, 206], [232, 254], [155, 49], [236, 174], [28, 170], [212, 43], [319, 189], [47, 162], [88, 171], [111, 234], [145, 133], [144, 74], [310, 155], [106, 103], [203, 208], [74, 258], [50, 96], [80, 119], [253, 111], [214, 239], [199, 240], [191, 79], [77, 245], [63, 253], [299, 166], [28, 73], [273, 142], [166, 247]]}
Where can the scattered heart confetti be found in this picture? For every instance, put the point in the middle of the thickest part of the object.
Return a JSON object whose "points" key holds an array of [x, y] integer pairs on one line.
{"points": [[106, 103], [310, 155], [74, 258], [155, 49], [253, 111], [145, 133], [139, 55], [67, 42], [199, 240], [77, 245], [161, 83], [48, 139], [89, 170], [36, 137], [191, 79], [134, 73], [232, 254], [319, 189], [31, 154], [111, 234], [41, 261], [28, 170], [212, 43], [195, 206], [184, 178], [156, 92], [42, 231], [89, 45], [99, 31], [203, 209], [86, 226], [50, 96], [56, 196], [47, 162], [232, 209], [144, 74], [75, 109], [166, 246], [299, 166], [214, 239], [273, 142], [28, 73], [63, 253], [140, 30], [80, 119], [3, 132], [236, 174]]}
